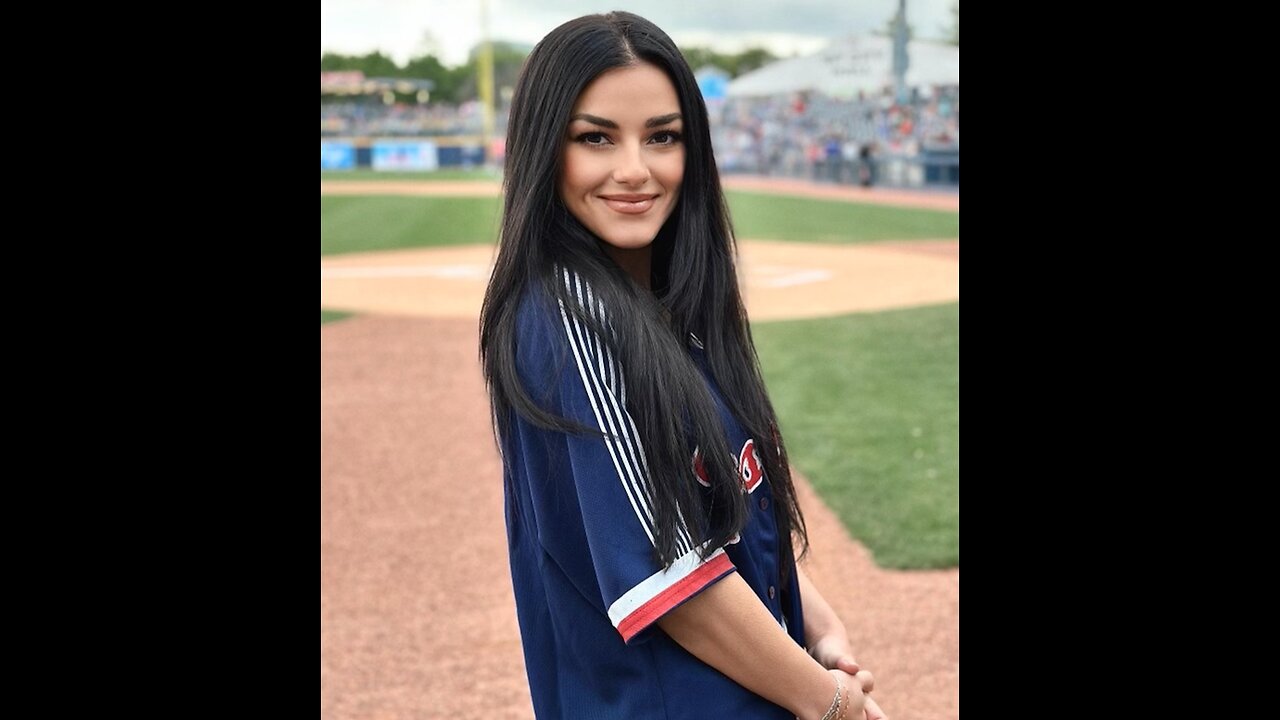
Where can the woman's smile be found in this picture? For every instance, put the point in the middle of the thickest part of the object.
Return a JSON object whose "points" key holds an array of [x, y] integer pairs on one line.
{"points": [[629, 204]]}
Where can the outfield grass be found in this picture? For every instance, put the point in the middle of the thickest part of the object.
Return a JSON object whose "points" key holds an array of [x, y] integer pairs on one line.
{"points": [[366, 174], [352, 223], [870, 407], [328, 316], [356, 223], [773, 217]]}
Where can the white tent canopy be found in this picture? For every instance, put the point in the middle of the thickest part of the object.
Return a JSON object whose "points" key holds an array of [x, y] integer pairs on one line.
{"points": [[861, 62]]}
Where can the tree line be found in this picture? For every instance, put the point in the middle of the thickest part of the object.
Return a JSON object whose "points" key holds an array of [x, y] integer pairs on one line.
{"points": [[458, 84]]}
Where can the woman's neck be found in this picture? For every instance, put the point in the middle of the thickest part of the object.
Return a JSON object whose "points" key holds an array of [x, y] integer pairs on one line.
{"points": [[635, 262]]}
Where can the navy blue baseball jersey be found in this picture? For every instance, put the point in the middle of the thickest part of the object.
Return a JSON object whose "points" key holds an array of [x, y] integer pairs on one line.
{"points": [[587, 582]]}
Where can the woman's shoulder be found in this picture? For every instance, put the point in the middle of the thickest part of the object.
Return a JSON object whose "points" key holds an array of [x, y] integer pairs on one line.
{"points": [[540, 311], [535, 320], [545, 327], [535, 340], [564, 317]]}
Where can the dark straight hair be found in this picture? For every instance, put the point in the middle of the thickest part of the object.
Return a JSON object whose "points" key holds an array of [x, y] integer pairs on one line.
{"points": [[694, 290]]}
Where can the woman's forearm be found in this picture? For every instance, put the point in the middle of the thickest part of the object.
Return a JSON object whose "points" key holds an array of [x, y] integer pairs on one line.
{"points": [[819, 619], [726, 624]]}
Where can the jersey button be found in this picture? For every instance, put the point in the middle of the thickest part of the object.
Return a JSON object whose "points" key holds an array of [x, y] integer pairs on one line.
{"points": [[772, 591], [764, 503]]}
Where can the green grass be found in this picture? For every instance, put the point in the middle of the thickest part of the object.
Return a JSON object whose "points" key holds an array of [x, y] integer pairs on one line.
{"points": [[755, 215], [774, 217], [328, 316], [366, 174], [870, 407], [352, 223]]}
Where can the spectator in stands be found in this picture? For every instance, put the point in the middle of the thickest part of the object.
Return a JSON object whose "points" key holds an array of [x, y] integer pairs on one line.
{"points": [[865, 169], [831, 153]]}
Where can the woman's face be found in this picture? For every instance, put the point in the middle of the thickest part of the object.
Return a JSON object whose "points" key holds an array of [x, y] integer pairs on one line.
{"points": [[624, 156]]}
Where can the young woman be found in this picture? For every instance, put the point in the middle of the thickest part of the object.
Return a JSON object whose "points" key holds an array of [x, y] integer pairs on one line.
{"points": [[650, 510]]}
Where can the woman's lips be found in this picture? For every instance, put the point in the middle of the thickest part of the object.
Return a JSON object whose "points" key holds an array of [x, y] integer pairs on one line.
{"points": [[629, 204]]}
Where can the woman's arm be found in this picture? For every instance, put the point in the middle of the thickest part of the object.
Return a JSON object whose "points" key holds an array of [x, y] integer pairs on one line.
{"points": [[829, 641], [827, 637], [727, 627]]}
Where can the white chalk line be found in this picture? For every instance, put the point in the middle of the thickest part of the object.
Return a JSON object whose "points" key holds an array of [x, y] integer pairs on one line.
{"points": [[779, 276]]}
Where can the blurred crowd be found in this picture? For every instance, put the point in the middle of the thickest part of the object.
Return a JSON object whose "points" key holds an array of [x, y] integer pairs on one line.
{"points": [[802, 135], [824, 138], [372, 118]]}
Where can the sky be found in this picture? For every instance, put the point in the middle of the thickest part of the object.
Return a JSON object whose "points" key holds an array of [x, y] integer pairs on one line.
{"points": [[449, 28]]}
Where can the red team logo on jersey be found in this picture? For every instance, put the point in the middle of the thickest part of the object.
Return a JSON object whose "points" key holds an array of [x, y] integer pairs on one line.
{"points": [[749, 465]]}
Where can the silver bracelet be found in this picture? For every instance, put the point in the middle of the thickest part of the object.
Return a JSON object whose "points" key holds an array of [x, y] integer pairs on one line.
{"points": [[834, 711]]}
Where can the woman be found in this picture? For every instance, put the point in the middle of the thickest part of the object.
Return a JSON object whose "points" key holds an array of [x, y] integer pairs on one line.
{"points": [[650, 510]]}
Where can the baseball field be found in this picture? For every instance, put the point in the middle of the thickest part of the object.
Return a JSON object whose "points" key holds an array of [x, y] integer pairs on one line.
{"points": [[854, 300]]}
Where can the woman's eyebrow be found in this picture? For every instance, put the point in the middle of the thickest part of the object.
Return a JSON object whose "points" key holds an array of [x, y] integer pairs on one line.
{"points": [[651, 122], [595, 120], [661, 120]]}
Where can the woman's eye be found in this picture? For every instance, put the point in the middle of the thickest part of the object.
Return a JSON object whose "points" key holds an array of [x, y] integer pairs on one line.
{"points": [[666, 137], [592, 138]]}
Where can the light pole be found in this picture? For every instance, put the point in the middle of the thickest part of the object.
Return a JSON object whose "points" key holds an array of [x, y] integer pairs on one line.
{"points": [[900, 59], [485, 81]]}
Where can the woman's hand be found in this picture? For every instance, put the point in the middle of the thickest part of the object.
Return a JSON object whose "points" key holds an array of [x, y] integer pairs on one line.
{"points": [[830, 645], [833, 652], [873, 710]]}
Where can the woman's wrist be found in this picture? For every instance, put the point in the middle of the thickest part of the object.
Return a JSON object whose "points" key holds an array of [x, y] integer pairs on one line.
{"points": [[840, 702], [826, 705]]}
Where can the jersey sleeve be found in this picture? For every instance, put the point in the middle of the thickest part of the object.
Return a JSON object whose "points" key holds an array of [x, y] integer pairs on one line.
{"points": [[609, 479]]}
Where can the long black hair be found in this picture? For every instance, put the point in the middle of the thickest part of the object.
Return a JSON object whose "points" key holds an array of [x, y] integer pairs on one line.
{"points": [[694, 290]]}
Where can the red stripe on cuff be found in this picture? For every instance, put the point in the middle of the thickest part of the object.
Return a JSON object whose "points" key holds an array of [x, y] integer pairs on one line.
{"points": [[682, 590]]}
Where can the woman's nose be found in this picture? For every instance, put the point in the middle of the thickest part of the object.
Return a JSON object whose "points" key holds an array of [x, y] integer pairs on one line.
{"points": [[631, 168]]}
